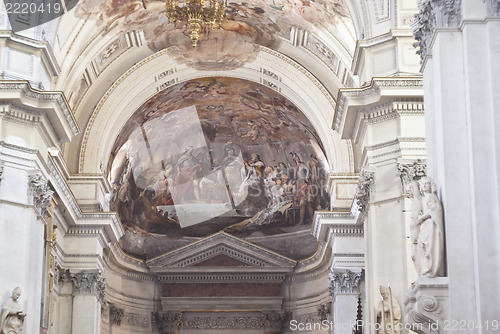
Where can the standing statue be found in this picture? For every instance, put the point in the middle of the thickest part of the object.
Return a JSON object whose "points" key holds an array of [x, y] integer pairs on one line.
{"points": [[416, 210], [430, 247], [12, 316], [388, 313]]}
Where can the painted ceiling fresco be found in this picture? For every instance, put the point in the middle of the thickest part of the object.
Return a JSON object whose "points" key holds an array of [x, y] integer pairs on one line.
{"points": [[232, 42], [215, 154]]}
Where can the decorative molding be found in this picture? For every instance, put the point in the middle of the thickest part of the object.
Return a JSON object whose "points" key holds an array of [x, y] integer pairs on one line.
{"points": [[411, 172], [363, 192], [115, 225], [211, 323], [273, 321], [225, 277], [434, 14], [89, 284], [325, 311], [62, 276], [344, 282], [116, 315], [318, 216], [427, 305], [165, 321], [221, 243], [40, 191], [137, 320], [347, 95], [26, 91]]}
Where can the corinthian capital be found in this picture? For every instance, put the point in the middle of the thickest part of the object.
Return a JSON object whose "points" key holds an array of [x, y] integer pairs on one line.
{"points": [[434, 14], [344, 282], [89, 284]]}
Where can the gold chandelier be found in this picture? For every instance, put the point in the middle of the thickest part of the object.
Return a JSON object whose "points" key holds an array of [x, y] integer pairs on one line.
{"points": [[196, 14]]}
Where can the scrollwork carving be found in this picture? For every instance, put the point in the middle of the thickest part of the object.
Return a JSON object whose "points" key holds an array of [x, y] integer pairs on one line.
{"points": [[39, 189], [424, 312], [434, 14], [62, 276], [363, 190], [89, 283]]}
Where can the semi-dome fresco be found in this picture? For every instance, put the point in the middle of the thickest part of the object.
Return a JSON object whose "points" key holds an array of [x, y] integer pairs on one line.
{"points": [[215, 154], [235, 40]]}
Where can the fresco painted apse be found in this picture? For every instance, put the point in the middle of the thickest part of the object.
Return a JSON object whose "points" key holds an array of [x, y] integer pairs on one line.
{"points": [[232, 42], [215, 154]]}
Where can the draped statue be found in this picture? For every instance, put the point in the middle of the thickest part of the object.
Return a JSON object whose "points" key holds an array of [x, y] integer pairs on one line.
{"points": [[12, 316], [416, 210], [388, 313], [430, 246]]}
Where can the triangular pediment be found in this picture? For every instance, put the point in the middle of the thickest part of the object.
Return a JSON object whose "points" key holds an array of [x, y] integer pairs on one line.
{"points": [[220, 249]]}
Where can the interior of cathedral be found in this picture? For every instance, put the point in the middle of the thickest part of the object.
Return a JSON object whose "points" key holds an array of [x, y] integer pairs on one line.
{"points": [[257, 167]]}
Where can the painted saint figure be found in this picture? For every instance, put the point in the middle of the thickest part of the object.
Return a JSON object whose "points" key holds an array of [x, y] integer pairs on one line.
{"points": [[430, 247], [388, 313], [188, 172], [12, 316]]}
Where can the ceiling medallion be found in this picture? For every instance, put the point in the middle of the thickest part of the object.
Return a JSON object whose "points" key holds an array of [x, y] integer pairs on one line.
{"points": [[197, 14]]}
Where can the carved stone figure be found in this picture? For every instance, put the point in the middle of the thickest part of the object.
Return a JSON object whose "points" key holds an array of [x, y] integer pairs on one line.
{"points": [[388, 313], [430, 247], [12, 316], [362, 196], [416, 210]]}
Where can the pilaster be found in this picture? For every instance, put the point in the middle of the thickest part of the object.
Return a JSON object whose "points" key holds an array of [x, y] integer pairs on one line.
{"points": [[88, 295], [385, 119], [459, 48], [344, 235]]}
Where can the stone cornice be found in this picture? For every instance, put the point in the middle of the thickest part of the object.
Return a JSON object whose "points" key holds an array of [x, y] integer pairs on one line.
{"points": [[320, 216], [106, 224], [383, 99], [232, 275], [52, 104], [44, 46]]}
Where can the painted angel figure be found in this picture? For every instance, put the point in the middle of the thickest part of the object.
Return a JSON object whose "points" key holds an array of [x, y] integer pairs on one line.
{"points": [[12, 316]]}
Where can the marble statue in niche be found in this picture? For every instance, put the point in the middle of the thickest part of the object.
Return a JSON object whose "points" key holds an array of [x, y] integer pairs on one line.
{"points": [[388, 313], [430, 247], [426, 228], [416, 210], [12, 316]]}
